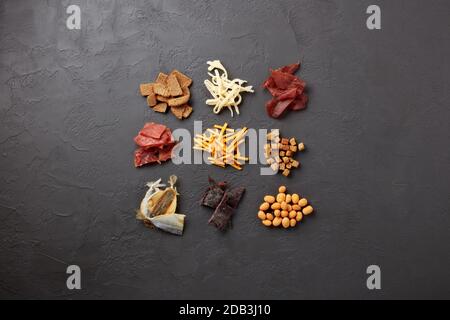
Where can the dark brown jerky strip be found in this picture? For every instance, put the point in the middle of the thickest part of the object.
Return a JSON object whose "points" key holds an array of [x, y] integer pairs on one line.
{"points": [[221, 217], [235, 196], [213, 194]]}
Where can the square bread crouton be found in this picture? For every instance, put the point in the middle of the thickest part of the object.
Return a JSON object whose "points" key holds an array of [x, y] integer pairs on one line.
{"points": [[183, 79], [151, 100], [161, 78], [146, 89], [187, 111], [161, 89], [173, 86], [160, 107], [177, 111]]}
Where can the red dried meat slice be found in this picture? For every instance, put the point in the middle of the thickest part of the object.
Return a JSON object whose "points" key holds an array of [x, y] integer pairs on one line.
{"points": [[143, 156], [288, 94], [166, 153], [299, 103], [291, 68], [281, 107], [155, 143], [287, 91], [153, 130], [282, 80], [149, 142]]}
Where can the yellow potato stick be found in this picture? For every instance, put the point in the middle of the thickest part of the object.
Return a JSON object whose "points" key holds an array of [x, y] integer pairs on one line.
{"points": [[222, 144]]}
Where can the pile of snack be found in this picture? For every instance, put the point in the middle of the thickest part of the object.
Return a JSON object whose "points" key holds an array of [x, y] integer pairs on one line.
{"points": [[169, 91], [155, 143], [284, 209], [280, 152], [159, 206], [226, 93], [223, 200], [222, 143], [287, 90]]}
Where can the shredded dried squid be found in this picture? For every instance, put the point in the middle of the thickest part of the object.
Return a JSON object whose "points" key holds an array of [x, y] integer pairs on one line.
{"points": [[226, 93]]}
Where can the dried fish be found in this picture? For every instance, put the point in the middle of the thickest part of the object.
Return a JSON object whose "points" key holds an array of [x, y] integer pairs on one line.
{"points": [[159, 205], [173, 223]]}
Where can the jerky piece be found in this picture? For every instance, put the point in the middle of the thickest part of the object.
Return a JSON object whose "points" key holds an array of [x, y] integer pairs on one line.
{"points": [[183, 79], [146, 89], [153, 130], [174, 86], [162, 78], [214, 194], [160, 107], [187, 111], [235, 196], [221, 218], [161, 89], [178, 111]]}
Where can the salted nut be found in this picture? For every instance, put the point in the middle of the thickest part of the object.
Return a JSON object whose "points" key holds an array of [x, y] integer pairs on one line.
{"points": [[284, 210]]}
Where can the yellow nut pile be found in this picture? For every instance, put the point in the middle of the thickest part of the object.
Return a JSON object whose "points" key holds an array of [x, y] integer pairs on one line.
{"points": [[284, 210]]}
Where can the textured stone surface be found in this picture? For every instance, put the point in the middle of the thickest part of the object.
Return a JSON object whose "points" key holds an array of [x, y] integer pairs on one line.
{"points": [[377, 166]]}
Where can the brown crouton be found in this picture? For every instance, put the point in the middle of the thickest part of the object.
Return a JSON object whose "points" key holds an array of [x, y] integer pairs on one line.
{"points": [[160, 107], [162, 99], [161, 89], [151, 100], [146, 89], [187, 111], [183, 79], [175, 102], [178, 111], [173, 86], [162, 78]]}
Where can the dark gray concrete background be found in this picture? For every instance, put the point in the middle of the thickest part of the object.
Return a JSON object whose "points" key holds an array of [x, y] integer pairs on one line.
{"points": [[376, 170]]}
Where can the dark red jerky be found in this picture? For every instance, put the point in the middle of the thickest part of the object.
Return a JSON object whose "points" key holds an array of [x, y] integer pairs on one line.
{"points": [[221, 218], [288, 91], [235, 196], [291, 68], [224, 201], [214, 194]]}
